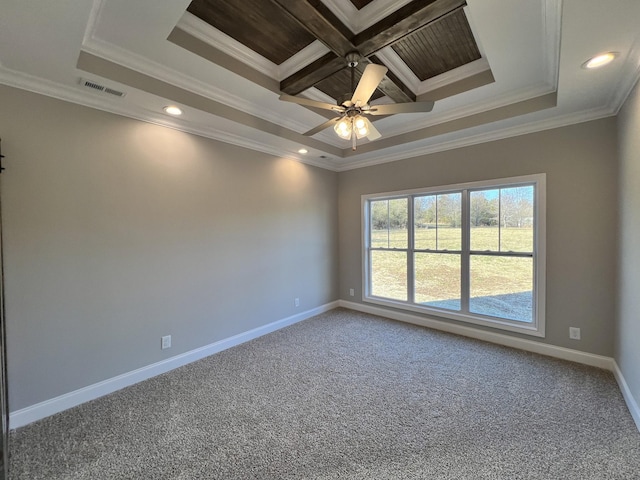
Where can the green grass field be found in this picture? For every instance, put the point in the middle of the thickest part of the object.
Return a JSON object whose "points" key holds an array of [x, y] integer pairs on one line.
{"points": [[438, 275]]}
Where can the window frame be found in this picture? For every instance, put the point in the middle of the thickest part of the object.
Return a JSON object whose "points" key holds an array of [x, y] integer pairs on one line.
{"points": [[534, 328]]}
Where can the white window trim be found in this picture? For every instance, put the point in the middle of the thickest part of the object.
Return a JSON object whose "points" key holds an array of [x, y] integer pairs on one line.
{"points": [[537, 327]]}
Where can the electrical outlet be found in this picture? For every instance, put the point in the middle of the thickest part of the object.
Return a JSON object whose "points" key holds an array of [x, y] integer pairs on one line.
{"points": [[166, 342], [296, 302], [352, 292], [574, 333]]}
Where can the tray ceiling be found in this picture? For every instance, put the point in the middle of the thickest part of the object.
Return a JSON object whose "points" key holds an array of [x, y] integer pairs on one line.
{"points": [[494, 68]]}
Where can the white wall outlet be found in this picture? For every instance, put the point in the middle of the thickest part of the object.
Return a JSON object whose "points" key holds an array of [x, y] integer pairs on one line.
{"points": [[296, 302], [352, 292], [166, 342], [574, 333]]}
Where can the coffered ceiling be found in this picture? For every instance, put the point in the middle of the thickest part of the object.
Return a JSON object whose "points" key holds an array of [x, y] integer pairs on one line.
{"points": [[495, 68]]}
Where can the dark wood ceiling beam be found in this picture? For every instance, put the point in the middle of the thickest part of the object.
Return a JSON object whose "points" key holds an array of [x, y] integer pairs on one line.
{"points": [[318, 20], [313, 73], [402, 22]]}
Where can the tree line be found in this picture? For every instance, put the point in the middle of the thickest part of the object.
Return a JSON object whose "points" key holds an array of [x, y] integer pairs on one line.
{"points": [[507, 207]]}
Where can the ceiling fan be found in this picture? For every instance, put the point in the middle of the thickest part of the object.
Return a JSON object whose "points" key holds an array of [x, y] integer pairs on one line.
{"points": [[351, 122]]}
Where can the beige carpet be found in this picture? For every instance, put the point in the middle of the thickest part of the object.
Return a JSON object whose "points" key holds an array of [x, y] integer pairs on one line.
{"points": [[347, 395]]}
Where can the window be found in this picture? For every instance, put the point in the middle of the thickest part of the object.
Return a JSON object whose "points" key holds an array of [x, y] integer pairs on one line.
{"points": [[472, 252]]}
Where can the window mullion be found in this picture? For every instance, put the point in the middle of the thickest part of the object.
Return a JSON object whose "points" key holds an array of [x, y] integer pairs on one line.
{"points": [[500, 220], [410, 255], [465, 225]]}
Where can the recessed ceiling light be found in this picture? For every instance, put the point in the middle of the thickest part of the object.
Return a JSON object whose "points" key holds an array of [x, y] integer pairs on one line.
{"points": [[172, 110], [599, 60], [303, 151]]}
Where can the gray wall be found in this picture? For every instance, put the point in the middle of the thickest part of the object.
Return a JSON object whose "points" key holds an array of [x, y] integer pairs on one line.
{"points": [[627, 352], [118, 232], [581, 167]]}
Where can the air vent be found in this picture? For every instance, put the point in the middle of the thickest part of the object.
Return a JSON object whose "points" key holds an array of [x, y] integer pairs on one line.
{"points": [[100, 88], [113, 92]]}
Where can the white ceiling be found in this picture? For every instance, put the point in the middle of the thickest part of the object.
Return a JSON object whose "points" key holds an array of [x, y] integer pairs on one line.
{"points": [[534, 48]]}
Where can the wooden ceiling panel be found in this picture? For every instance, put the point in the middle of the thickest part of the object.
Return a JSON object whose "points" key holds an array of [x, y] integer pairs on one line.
{"points": [[430, 36], [439, 47], [361, 3], [257, 24]]}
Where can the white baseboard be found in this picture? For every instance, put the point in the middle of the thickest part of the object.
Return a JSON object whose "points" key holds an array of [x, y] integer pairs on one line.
{"points": [[49, 407], [58, 404], [493, 337], [626, 393]]}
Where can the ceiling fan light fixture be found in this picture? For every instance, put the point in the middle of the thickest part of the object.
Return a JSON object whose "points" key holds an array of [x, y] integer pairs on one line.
{"points": [[347, 127], [344, 128], [361, 126]]}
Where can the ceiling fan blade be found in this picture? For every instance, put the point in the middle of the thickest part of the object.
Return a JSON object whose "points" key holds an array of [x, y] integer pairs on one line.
{"points": [[311, 103], [409, 107], [371, 78], [321, 127], [374, 134]]}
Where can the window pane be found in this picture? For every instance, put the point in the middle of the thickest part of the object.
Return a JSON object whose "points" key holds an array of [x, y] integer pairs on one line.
{"points": [[424, 214], [380, 223], [516, 219], [449, 218], [437, 280], [389, 223], [502, 287], [389, 274], [483, 220], [399, 223]]}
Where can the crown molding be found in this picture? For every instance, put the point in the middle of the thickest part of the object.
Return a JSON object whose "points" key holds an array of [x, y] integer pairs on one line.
{"points": [[143, 65], [392, 60], [96, 46], [464, 71], [358, 20], [67, 93], [251, 144], [93, 21], [516, 96], [78, 96], [381, 157], [88, 99], [201, 30], [552, 24], [499, 130], [628, 79]]}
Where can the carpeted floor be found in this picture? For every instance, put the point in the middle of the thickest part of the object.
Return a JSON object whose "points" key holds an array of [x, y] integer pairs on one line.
{"points": [[347, 395]]}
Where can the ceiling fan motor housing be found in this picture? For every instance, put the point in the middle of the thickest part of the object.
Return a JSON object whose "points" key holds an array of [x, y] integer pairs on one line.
{"points": [[352, 59], [345, 100]]}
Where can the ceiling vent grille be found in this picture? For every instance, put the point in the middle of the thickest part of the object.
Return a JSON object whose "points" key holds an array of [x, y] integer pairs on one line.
{"points": [[95, 86]]}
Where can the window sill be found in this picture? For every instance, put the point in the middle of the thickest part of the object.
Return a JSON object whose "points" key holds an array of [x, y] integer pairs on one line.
{"points": [[535, 328]]}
